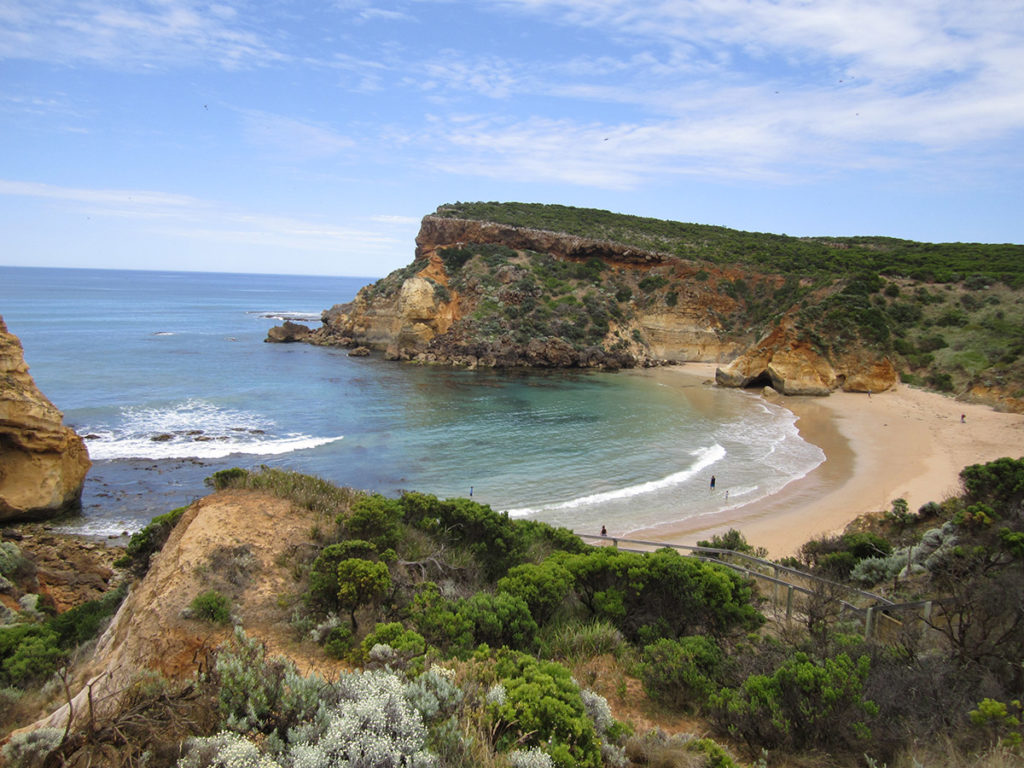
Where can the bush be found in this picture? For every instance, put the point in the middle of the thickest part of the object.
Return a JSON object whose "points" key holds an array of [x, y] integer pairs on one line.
{"points": [[322, 592], [81, 623], [681, 673], [375, 519], [227, 478], [28, 653], [540, 705], [735, 541], [30, 749], [500, 620], [211, 606], [150, 540], [405, 644], [802, 704], [542, 587], [338, 643], [260, 695]]}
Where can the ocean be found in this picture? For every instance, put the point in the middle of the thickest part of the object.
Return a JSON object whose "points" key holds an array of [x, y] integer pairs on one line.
{"points": [[168, 377]]}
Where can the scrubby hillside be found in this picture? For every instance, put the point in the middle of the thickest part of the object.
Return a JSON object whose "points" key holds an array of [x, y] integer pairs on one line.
{"points": [[417, 631], [511, 284]]}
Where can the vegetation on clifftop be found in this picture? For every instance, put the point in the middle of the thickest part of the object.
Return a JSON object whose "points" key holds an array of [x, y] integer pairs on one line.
{"points": [[804, 257]]}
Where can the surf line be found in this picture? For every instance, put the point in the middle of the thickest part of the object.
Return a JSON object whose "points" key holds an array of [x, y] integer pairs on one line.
{"points": [[705, 458]]}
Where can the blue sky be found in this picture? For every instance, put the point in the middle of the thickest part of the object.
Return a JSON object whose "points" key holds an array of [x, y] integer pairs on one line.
{"points": [[311, 137]]}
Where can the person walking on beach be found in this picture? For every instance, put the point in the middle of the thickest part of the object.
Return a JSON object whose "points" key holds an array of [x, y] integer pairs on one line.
{"points": [[712, 482], [604, 531]]}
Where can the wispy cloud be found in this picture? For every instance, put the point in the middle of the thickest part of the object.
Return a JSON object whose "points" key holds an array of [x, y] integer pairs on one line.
{"points": [[157, 33], [183, 216]]}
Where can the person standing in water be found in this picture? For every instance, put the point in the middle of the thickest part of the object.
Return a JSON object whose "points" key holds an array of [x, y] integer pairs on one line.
{"points": [[712, 482]]}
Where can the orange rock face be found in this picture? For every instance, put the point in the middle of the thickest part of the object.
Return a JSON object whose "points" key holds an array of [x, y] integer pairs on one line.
{"points": [[42, 463], [794, 367]]}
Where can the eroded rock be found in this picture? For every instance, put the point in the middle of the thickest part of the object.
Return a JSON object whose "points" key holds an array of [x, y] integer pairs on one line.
{"points": [[42, 462]]}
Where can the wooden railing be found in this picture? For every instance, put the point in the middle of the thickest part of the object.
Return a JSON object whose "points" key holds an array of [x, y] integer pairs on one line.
{"points": [[790, 590]]}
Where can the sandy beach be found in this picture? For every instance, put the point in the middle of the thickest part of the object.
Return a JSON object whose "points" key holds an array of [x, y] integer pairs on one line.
{"points": [[904, 443]]}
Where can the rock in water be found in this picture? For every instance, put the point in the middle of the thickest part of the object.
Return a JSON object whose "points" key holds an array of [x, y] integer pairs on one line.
{"points": [[287, 333], [42, 462]]}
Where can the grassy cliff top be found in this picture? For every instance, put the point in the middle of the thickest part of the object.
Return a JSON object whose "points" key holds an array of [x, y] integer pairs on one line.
{"points": [[930, 262]]}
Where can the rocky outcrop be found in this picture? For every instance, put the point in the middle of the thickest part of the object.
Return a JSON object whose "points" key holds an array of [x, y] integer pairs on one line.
{"points": [[42, 462], [792, 366], [287, 332]]}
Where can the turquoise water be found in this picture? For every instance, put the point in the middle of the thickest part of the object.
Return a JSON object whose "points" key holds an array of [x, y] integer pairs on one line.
{"points": [[133, 356]]}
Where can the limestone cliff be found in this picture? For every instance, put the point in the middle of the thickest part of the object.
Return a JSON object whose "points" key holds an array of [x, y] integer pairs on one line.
{"points": [[480, 293], [42, 462]]}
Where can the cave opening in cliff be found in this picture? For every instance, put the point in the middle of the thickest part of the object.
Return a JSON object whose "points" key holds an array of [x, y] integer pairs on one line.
{"points": [[760, 381]]}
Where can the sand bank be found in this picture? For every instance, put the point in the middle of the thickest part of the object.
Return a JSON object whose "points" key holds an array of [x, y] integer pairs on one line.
{"points": [[905, 443]]}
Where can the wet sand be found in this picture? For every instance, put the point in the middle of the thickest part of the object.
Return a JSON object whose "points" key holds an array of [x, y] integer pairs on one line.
{"points": [[905, 443]]}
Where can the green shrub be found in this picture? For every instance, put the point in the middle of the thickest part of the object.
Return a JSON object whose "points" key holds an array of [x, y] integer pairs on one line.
{"points": [[542, 587], [150, 540], [81, 623], [652, 283], [28, 653], [322, 593], [211, 606], [403, 645], [227, 478], [803, 704], [681, 673], [997, 482], [375, 519], [339, 642], [538, 704], [500, 620], [735, 541]]}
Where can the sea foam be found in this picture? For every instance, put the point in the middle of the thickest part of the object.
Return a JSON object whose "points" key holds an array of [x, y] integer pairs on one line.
{"points": [[703, 458], [192, 429]]}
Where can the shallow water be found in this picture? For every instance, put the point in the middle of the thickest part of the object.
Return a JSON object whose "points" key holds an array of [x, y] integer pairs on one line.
{"points": [[169, 377]]}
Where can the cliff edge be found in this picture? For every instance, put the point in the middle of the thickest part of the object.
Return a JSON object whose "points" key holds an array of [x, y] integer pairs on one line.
{"points": [[42, 462], [490, 294]]}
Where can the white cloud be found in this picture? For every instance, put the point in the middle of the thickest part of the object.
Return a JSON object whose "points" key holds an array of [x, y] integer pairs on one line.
{"points": [[156, 33]]}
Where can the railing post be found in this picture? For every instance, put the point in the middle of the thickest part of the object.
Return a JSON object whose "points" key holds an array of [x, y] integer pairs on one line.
{"points": [[789, 602]]}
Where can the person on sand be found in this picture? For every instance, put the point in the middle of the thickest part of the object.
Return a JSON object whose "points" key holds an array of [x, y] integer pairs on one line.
{"points": [[604, 531], [712, 482], [963, 418]]}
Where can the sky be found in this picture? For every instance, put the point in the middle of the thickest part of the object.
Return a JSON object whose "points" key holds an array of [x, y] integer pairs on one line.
{"points": [[298, 137]]}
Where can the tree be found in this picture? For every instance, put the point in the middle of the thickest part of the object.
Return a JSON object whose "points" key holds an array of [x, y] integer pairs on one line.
{"points": [[361, 582]]}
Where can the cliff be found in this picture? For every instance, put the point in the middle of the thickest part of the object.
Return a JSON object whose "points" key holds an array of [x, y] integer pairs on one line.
{"points": [[481, 293], [42, 463], [235, 542]]}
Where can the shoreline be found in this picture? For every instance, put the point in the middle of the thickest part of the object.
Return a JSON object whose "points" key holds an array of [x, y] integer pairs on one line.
{"points": [[902, 443]]}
